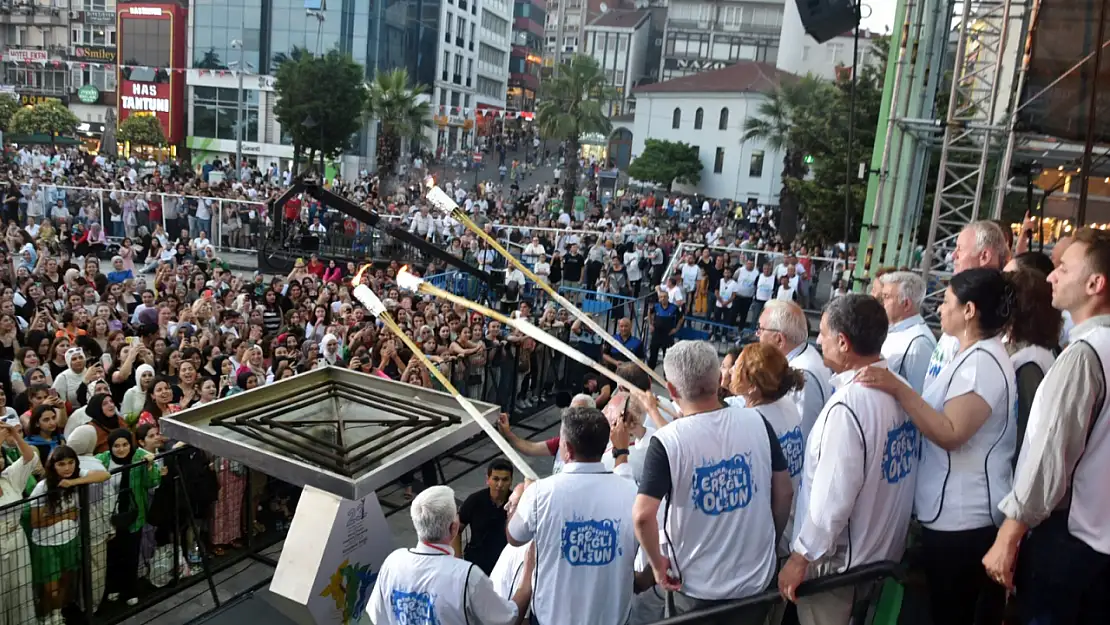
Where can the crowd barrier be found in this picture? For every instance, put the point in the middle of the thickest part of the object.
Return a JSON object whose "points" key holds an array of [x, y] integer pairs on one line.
{"points": [[200, 515]]}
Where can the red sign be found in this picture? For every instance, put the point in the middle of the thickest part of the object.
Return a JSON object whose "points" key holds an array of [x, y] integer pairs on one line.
{"points": [[477, 157], [146, 98]]}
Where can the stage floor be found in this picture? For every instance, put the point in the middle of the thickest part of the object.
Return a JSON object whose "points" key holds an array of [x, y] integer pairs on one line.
{"points": [[253, 608]]}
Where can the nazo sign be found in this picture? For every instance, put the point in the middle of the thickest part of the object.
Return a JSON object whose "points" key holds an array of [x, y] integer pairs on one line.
{"points": [[88, 94]]}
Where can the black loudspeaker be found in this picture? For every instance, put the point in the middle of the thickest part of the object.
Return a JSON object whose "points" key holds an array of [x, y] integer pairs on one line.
{"points": [[825, 19]]}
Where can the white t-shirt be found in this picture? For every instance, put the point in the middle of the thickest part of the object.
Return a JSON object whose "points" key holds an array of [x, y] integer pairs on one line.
{"points": [[63, 531]]}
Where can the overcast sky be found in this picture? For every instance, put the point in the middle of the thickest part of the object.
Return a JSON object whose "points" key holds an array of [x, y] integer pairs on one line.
{"points": [[882, 15]]}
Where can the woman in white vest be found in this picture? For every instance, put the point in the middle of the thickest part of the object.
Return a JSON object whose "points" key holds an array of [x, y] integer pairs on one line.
{"points": [[17, 603], [968, 419], [428, 584], [718, 468], [1033, 336], [763, 381]]}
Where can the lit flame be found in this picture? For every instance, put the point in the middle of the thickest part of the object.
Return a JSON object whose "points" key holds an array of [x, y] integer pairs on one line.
{"points": [[404, 269], [430, 182], [357, 280]]}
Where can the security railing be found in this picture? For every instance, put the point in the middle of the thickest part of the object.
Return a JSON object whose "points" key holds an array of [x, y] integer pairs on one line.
{"points": [[102, 553]]}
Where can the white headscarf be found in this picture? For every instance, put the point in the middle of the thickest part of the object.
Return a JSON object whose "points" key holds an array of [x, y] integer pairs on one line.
{"points": [[328, 355]]}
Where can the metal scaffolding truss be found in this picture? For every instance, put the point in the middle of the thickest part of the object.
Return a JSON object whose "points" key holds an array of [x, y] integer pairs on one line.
{"points": [[986, 83]]}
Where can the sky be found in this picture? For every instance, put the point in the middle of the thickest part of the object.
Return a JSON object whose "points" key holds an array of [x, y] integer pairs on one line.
{"points": [[882, 15]]}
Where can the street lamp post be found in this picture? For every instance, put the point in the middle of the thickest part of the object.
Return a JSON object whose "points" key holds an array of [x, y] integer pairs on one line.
{"points": [[241, 67]]}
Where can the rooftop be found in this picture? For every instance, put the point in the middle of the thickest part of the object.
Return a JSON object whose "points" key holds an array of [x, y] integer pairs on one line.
{"points": [[742, 77], [619, 19]]}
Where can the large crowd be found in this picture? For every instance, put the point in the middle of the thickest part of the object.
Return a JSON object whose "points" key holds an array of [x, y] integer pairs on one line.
{"points": [[117, 308]]}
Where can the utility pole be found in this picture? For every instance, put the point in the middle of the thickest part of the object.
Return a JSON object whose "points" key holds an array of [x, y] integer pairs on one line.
{"points": [[239, 103]]}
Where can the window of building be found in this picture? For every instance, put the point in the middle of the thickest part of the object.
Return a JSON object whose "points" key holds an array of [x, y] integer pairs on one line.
{"points": [[446, 61], [719, 161], [216, 115], [443, 97], [722, 124], [491, 55], [495, 24], [676, 118], [622, 42], [461, 30], [699, 116], [836, 51], [755, 169], [805, 53]]}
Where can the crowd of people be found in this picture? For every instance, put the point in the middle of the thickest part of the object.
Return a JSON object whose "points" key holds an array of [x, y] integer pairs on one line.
{"points": [[791, 461]]}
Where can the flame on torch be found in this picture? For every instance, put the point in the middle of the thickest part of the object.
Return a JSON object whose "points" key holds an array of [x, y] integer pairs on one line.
{"points": [[357, 280]]}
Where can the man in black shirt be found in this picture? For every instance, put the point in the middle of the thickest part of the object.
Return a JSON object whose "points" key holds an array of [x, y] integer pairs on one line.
{"points": [[572, 265], [484, 513]]}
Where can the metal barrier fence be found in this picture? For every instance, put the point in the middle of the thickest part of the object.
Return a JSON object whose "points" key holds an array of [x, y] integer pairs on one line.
{"points": [[814, 290], [102, 553]]}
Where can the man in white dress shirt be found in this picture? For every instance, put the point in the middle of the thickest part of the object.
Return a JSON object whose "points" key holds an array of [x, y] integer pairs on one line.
{"points": [[980, 244], [581, 522], [909, 341], [857, 490], [428, 584], [783, 325]]}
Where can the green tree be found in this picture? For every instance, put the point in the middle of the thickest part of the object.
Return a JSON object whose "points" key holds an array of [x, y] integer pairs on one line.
{"points": [[142, 130], [789, 120], [295, 54], [211, 60], [320, 103], [48, 118], [402, 114], [667, 162], [569, 107], [8, 106]]}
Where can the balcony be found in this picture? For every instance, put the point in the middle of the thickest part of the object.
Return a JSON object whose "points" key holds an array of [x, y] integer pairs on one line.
{"points": [[463, 5], [457, 79], [460, 42], [26, 14], [443, 76], [468, 81], [446, 37], [471, 46]]}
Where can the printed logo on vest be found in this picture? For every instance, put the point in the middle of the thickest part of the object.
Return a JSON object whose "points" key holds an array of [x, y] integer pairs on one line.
{"points": [[794, 450], [723, 487], [413, 608], [901, 448], [591, 543]]}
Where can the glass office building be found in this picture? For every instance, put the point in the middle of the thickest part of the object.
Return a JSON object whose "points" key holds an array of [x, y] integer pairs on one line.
{"points": [[378, 35]]}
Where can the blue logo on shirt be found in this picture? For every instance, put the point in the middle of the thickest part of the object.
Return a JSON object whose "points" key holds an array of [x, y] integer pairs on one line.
{"points": [[793, 449], [413, 608], [724, 486], [591, 543], [899, 453]]}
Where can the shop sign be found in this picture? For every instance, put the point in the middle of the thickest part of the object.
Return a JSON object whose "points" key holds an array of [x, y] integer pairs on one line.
{"points": [[147, 11], [30, 99], [95, 54], [695, 65], [23, 55], [266, 83], [100, 17], [146, 97], [88, 94]]}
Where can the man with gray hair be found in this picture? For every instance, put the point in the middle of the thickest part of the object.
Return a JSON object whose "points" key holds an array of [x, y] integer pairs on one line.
{"points": [[980, 244], [427, 584], [857, 490], [719, 468], [909, 341], [783, 325]]}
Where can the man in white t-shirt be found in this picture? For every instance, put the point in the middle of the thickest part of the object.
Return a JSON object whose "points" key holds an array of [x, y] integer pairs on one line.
{"points": [[581, 523]]}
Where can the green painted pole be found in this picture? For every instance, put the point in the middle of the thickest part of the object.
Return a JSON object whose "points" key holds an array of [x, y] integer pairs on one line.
{"points": [[863, 258]]}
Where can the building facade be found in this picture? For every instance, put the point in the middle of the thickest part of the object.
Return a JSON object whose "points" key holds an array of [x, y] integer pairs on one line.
{"points": [[525, 58], [152, 54], [619, 41], [801, 55], [472, 71], [256, 36], [708, 110], [36, 45], [703, 35]]}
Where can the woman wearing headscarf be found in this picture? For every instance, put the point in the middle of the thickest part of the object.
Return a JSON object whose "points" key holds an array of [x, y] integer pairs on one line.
{"points": [[245, 381], [135, 397], [129, 492], [104, 417], [67, 382], [17, 604], [329, 351]]}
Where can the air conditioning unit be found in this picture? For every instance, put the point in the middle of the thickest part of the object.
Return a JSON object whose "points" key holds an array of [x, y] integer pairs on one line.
{"points": [[74, 15]]}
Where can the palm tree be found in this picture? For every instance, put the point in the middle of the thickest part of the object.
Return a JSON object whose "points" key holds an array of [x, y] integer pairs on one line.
{"points": [[571, 106], [785, 121], [295, 54], [401, 112]]}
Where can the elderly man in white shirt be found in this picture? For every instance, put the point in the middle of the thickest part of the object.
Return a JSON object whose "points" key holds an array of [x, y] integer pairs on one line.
{"points": [[428, 584], [980, 244], [909, 341], [784, 326], [858, 485]]}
